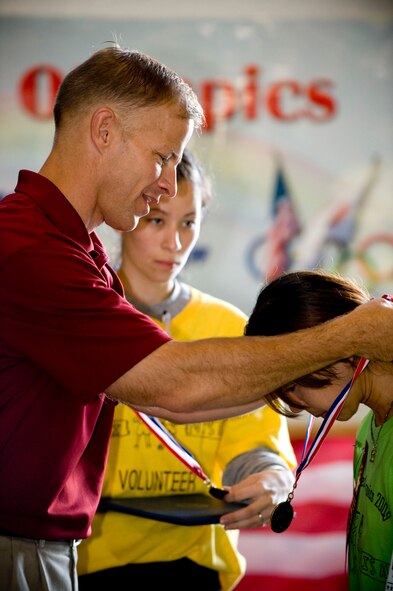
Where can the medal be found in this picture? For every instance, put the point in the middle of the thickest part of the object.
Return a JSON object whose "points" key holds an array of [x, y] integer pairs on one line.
{"points": [[218, 493], [281, 517]]}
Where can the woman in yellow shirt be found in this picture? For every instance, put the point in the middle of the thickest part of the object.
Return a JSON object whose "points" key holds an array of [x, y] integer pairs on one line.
{"points": [[251, 453]]}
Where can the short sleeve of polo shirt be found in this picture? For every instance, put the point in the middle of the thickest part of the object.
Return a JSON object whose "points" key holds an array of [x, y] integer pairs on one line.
{"points": [[61, 313]]}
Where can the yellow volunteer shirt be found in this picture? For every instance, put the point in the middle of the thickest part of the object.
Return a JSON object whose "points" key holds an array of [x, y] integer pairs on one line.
{"points": [[139, 465]]}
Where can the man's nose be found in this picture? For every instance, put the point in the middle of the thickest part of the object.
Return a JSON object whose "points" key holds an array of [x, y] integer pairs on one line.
{"points": [[167, 181]]}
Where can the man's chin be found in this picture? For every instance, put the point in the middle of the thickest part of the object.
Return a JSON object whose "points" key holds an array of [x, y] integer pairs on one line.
{"points": [[136, 221], [131, 223]]}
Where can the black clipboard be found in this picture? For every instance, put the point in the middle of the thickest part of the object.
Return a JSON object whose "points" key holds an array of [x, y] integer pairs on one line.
{"points": [[194, 509]]}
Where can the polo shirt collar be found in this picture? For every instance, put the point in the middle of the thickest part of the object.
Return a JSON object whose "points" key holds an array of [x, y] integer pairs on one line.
{"points": [[55, 205]]}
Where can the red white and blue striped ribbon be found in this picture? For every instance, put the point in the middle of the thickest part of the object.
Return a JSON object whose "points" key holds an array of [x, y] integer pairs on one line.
{"points": [[331, 415], [173, 444], [328, 421]]}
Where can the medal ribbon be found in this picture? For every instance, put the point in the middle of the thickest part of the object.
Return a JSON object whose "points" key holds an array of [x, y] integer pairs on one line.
{"points": [[328, 421], [173, 445], [282, 514], [331, 415]]}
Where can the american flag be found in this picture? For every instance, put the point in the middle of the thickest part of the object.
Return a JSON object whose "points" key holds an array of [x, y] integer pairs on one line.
{"points": [[310, 554], [285, 226]]}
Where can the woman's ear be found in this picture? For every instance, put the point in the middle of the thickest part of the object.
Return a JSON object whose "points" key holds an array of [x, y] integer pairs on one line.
{"points": [[353, 361], [297, 401], [290, 397]]}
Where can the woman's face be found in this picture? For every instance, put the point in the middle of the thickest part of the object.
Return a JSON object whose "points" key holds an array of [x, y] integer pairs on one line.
{"points": [[317, 401], [159, 247]]}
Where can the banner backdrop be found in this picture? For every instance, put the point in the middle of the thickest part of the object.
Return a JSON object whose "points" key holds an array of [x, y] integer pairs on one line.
{"points": [[299, 135]]}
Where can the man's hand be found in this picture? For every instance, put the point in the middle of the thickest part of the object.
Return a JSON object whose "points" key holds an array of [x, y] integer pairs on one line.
{"points": [[374, 329]]}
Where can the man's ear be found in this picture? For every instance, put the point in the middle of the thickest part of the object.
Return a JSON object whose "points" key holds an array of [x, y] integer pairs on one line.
{"points": [[103, 123]]}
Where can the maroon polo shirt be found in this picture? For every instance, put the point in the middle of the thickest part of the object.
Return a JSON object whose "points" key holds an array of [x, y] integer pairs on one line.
{"points": [[66, 334]]}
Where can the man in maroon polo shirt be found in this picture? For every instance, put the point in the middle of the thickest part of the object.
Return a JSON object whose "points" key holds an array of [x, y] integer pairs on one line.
{"points": [[71, 346]]}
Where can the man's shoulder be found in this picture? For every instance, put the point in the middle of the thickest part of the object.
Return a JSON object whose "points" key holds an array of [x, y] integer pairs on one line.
{"points": [[20, 224]]}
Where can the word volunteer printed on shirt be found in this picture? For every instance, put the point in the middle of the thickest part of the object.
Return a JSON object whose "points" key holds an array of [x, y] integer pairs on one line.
{"points": [[155, 481]]}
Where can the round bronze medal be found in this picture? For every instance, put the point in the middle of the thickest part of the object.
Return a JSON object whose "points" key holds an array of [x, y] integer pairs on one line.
{"points": [[281, 517], [218, 493]]}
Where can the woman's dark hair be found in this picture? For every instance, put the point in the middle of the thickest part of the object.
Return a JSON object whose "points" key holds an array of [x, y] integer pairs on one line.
{"points": [[299, 300], [190, 169]]}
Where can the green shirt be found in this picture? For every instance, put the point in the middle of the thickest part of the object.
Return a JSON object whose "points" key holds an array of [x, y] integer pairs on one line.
{"points": [[371, 531]]}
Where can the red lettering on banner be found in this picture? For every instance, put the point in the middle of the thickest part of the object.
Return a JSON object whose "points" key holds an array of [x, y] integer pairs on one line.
{"points": [[38, 89], [319, 95], [218, 99], [285, 100], [279, 92], [251, 92]]}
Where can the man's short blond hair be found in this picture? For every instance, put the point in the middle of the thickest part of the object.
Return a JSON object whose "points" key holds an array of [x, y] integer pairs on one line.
{"points": [[128, 79]]}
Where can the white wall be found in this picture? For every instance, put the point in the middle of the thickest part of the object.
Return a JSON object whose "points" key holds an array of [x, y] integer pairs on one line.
{"points": [[257, 10]]}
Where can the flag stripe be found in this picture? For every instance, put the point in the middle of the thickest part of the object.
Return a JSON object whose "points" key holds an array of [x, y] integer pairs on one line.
{"points": [[324, 483], [265, 554], [331, 583], [309, 555]]}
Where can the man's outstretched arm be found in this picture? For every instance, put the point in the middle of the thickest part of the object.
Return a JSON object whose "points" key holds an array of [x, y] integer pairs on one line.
{"points": [[220, 377]]}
